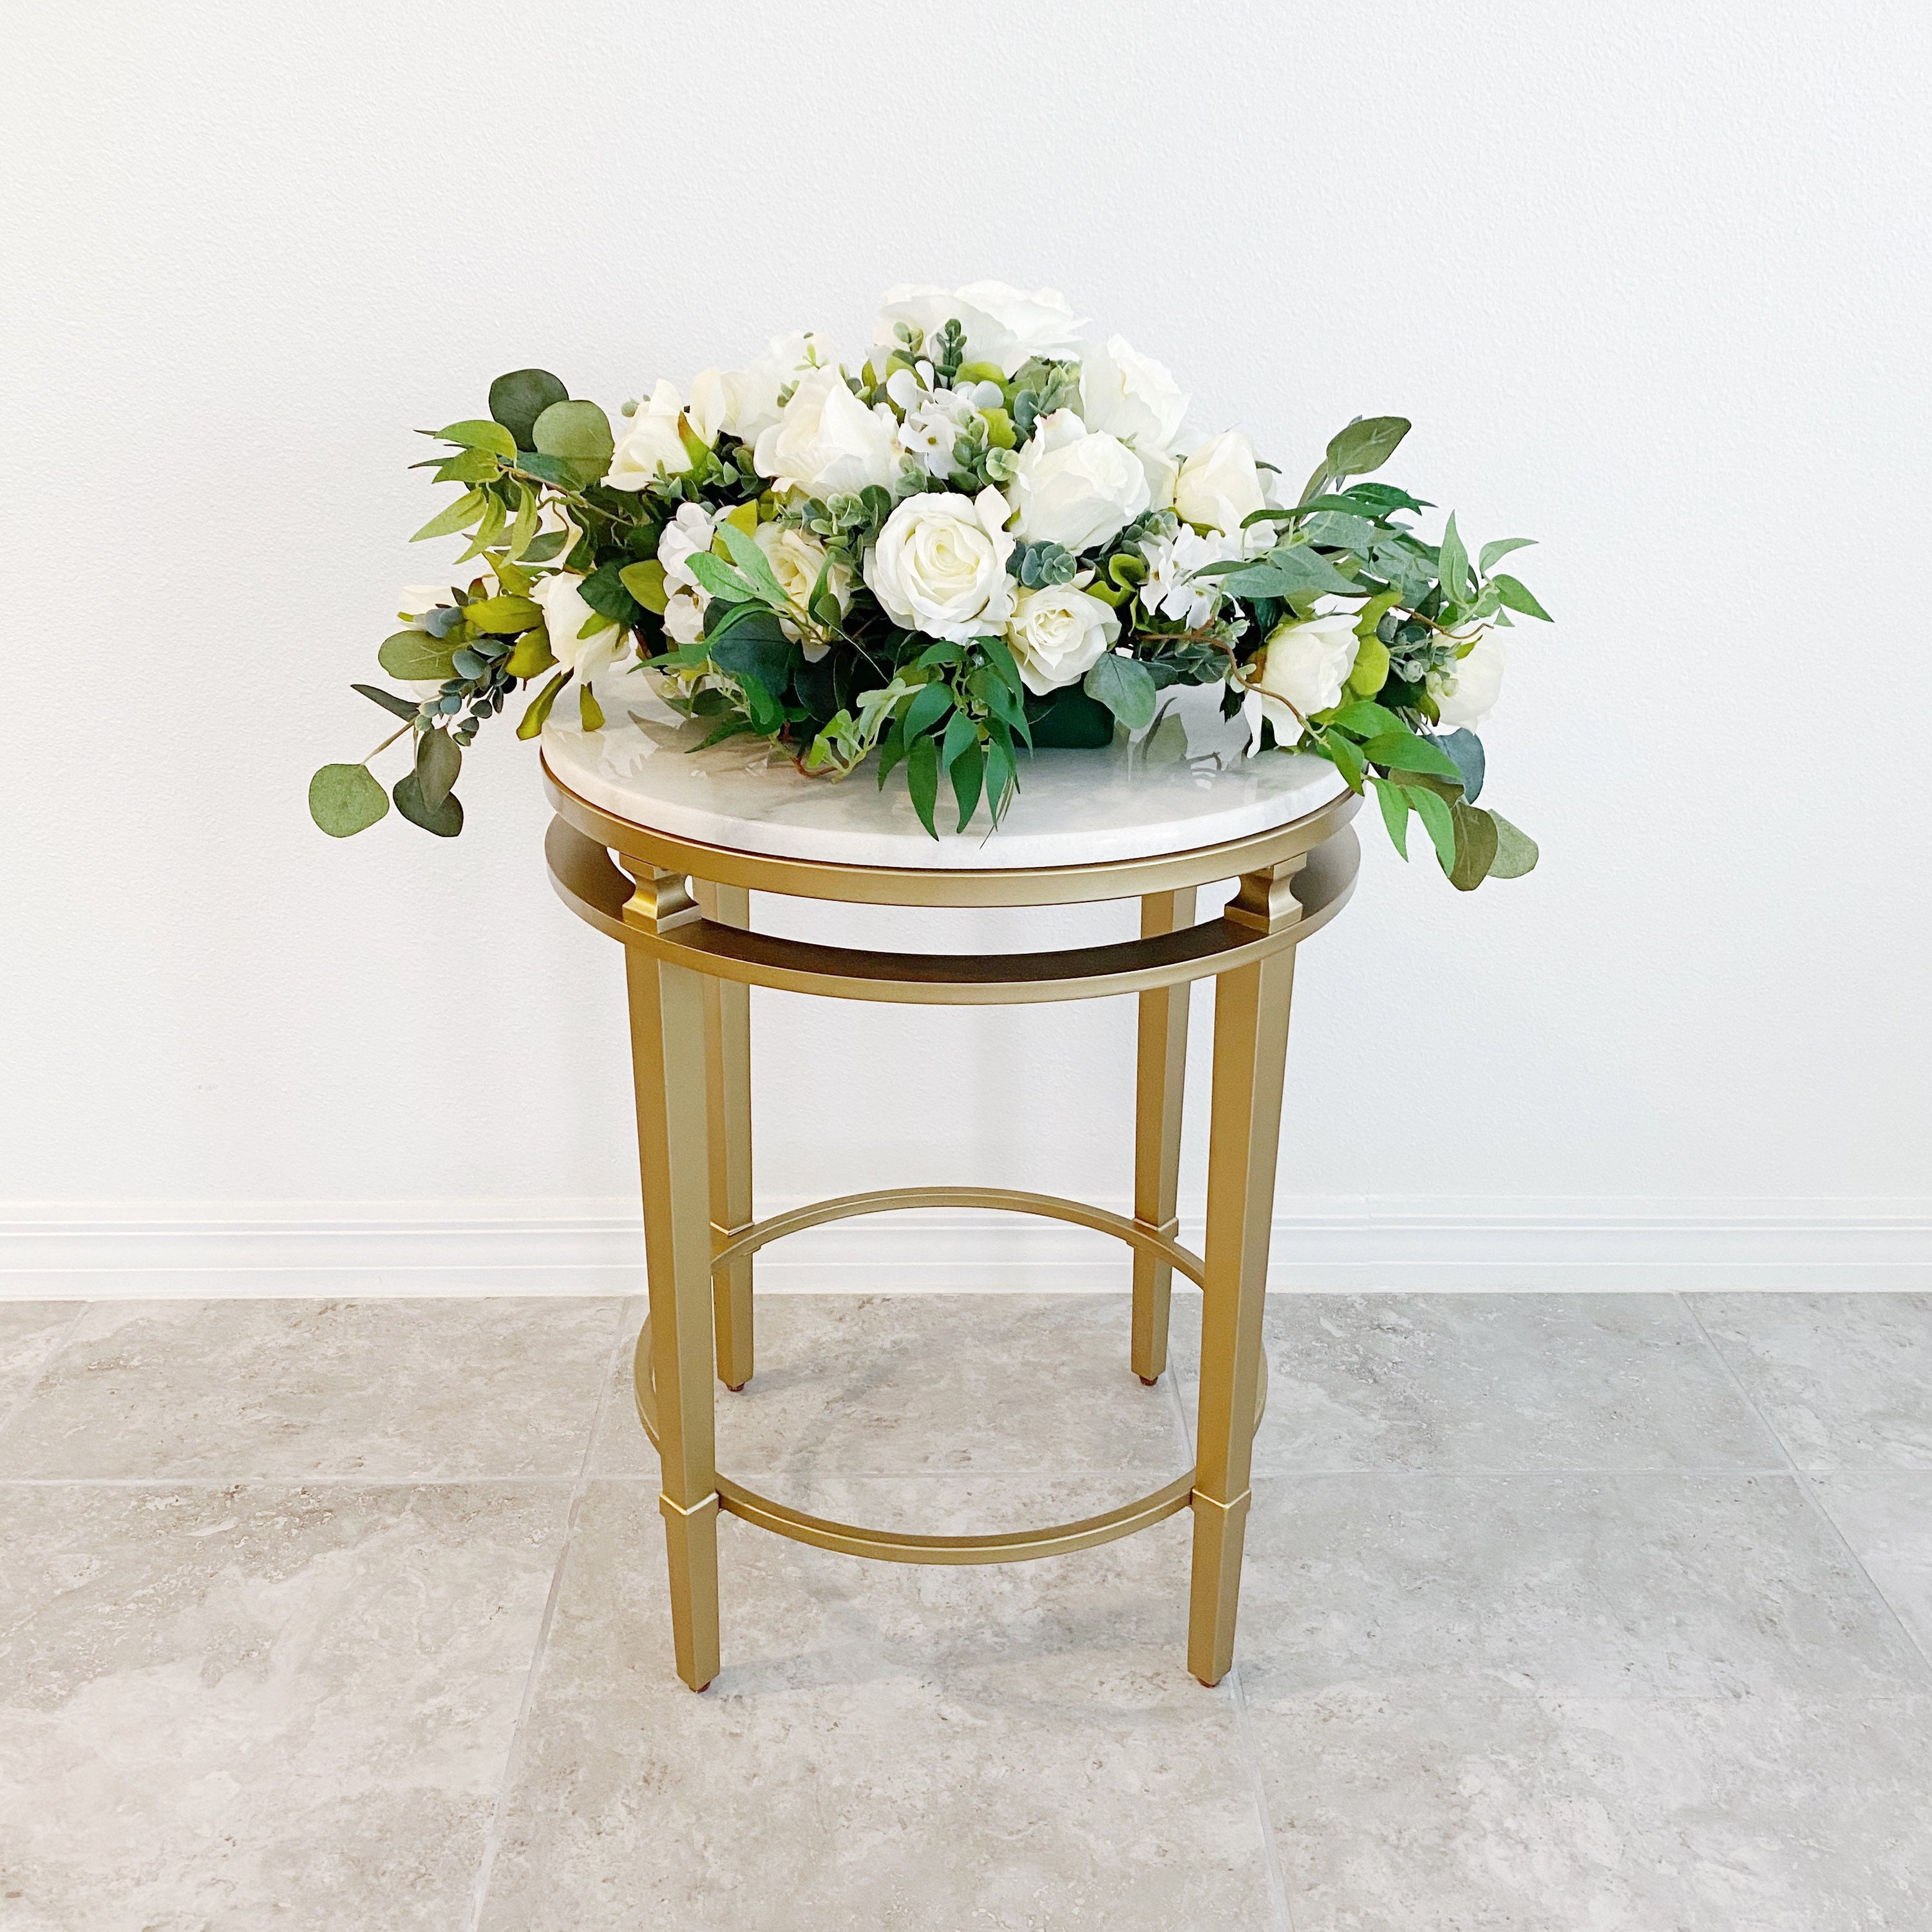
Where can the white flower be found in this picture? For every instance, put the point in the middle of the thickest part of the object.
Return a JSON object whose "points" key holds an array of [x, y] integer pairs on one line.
{"points": [[1468, 694], [1058, 634], [797, 558], [651, 446], [827, 442], [933, 421], [1130, 396], [1302, 671], [565, 614], [1171, 590], [1073, 488], [939, 564], [684, 614], [1219, 485], [1004, 326], [690, 530], [744, 403]]}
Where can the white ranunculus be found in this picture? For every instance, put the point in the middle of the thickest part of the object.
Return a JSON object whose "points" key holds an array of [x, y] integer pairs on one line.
{"points": [[827, 442], [565, 614], [744, 403], [690, 530], [651, 446], [796, 557], [939, 564], [1172, 590], [684, 613], [1467, 694], [1302, 671], [1004, 326], [1218, 484], [1058, 635], [1074, 488], [1131, 396]]}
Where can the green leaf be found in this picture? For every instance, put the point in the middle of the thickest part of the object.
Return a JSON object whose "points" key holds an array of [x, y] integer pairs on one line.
{"points": [[469, 466], [439, 759], [416, 657], [1365, 445], [969, 773], [1517, 597], [1465, 751], [753, 563], [604, 591], [1403, 751], [929, 705], [891, 752], [718, 578], [531, 656], [1452, 564], [503, 616], [1002, 770], [590, 713], [1394, 802], [579, 434], [1346, 759], [999, 654], [1292, 571], [517, 400], [1339, 531], [1368, 721], [1476, 842], [343, 800], [922, 780], [445, 819], [532, 720], [1436, 821], [1515, 851], [756, 647], [1494, 553], [646, 582], [476, 433], [401, 707], [1125, 687], [458, 516]]}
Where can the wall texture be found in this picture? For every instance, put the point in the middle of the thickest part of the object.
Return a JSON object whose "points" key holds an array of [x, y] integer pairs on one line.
{"points": [[1651, 282]]}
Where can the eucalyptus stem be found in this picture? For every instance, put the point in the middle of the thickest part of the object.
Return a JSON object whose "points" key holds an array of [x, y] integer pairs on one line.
{"points": [[390, 739]]}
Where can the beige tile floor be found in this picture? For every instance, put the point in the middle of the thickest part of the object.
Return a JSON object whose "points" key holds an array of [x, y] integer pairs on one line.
{"points": [[1564, 1613]]}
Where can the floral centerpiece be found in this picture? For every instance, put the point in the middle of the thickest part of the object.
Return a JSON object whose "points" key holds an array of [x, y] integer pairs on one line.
{"points": [[996, 534]]}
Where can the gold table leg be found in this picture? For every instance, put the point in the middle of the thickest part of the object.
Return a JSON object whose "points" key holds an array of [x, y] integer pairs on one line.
{"points": [[727, 1062], [1251, 1008], [668, 1062], [1161, 1075]]}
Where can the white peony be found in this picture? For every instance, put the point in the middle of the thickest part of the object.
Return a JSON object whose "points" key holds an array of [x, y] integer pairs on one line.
{"points": [[651, 446], [744, 403], [1302, 671], [566, 615], [1172, 590], [690, 531], [1058, 635], [797, 558], [1131, 396], [1004, 326], [1074, 488], [939, 564], [1220, 485], [1468, 694], [827, 442]]}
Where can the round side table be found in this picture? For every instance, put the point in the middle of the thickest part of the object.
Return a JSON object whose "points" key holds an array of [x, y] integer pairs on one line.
{"points": [[695, 833]]}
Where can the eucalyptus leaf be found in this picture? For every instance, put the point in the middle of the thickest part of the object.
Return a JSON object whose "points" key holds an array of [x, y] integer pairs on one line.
{"points": [[1125, 688], [344, 800], [1515, 851], [399, 707], [517, 400], [438, 762], [1465, 751], [415, 657], [445, 818], [577, 433], [1476, 842]]}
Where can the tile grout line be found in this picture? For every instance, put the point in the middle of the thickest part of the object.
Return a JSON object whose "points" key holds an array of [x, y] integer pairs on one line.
{"points": [[486, 1862], [54, 1354], [1805, 1488], [1244, 1734]]}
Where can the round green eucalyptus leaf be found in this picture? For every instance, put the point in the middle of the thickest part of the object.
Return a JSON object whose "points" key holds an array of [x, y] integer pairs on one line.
{"points": [[445, 820], [580, 433], [414, 656], [344, 800], [517, 400], [1515, 851], [438, 762]]}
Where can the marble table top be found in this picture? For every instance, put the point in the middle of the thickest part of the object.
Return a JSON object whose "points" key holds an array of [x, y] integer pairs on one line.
{"points": [[1184, 782]]}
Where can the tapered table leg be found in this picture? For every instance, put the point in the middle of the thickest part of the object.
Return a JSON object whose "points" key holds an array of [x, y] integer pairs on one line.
{"points": [[668, 1055], [728, 1061], [1251, 1007], [1161, 1076]]}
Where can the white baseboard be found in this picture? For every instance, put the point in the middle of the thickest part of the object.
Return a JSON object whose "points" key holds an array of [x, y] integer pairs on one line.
{"points": [[151, 1251]]}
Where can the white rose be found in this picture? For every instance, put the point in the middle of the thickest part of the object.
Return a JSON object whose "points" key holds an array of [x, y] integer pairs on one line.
{"points": [[1467, 694], [939, 564], [1130, 396], [651, 446], [1003, 324], [797, 558], [565, 614], [1219, 485], [1075, 489], [827, 442], [744, 403], [1302, 671], [1058, 634]]}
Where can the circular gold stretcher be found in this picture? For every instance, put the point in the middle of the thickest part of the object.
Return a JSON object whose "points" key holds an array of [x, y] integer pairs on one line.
{"points": [[682, 909]]}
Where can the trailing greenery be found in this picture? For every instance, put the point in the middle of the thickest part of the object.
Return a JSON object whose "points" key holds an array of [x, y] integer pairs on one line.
{"points": [[995, 537]]}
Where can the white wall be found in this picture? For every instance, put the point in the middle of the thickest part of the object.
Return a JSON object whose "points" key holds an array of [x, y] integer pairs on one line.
{"points": [[1652, 282]]}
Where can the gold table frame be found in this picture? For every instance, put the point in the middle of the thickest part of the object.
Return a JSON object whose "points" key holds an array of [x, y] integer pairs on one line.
{"points": [[682, 910]]}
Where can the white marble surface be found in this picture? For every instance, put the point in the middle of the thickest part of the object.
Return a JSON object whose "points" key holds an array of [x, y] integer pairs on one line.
{"points": [[1184, 782]]}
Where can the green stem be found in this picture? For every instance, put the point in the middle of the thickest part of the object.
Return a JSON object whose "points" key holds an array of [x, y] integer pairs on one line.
{"points": [[390, 739]]}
